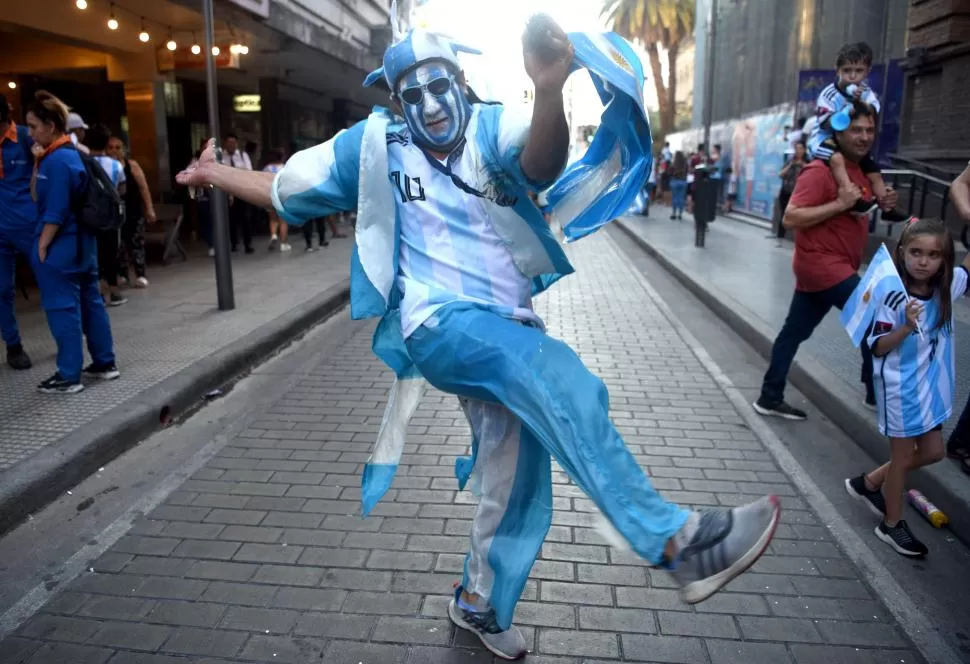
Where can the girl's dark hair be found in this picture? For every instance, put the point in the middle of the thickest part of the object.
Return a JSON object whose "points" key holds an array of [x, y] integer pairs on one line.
{"points": [[273, 156], [97, 137], [678, 168], [944, 278], [49, 108]]}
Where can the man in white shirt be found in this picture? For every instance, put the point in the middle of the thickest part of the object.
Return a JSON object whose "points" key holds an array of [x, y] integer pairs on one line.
{"points": [[240, 212]]}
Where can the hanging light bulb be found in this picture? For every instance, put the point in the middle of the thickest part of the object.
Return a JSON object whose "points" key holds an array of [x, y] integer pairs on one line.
{"points": [[234, 49], [243, 49], [215, 50], [81, 4], [171, 45], [196, 49], [112, 21], [143, 36], [12, 85]]}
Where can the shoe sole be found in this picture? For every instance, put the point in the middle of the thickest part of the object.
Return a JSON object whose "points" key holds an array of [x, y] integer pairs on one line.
{"points": [[459, 622], [74, 389], [109, 375], [767, 412], [858, 496], [700, 590], [895, 547], [117, 303]]}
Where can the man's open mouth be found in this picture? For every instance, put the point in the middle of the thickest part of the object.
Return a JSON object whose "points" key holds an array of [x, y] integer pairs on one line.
{"points": [[439, 123]]}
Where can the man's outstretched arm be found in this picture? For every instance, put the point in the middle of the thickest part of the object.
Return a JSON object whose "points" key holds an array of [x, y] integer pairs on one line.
{"points": [[960, 193], [251, 186]]}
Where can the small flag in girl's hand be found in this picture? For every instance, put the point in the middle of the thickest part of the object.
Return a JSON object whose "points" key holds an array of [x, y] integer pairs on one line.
{"points": [[880, 280]]}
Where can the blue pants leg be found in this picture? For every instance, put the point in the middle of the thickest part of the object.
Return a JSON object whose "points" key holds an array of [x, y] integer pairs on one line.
{"points": [[74, 307], [12, 242], [475, 353], [513, 478]]}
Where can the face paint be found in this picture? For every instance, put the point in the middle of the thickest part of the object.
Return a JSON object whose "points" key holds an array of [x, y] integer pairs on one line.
{"points": [[437, 121]]}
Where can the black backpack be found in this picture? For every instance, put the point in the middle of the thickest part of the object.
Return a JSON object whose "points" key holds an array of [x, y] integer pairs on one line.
{"points": [[99, 207]]}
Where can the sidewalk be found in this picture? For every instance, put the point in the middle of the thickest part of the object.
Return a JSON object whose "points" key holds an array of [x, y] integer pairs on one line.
{"points": [[745, 277], [172, 345], [261, 556]]}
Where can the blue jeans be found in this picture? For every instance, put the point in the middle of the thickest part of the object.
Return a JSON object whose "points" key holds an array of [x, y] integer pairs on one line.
{"points": [[805, 313], [678, 190]]}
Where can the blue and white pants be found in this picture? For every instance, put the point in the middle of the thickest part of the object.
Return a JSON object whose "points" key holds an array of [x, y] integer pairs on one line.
{"points": [[529, 397]]}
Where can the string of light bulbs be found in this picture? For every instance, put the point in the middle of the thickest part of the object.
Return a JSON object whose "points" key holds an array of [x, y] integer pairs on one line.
{"points": [[236, 48]]}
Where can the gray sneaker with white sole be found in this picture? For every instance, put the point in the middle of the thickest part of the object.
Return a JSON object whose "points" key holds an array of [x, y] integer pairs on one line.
{"points": [[726, 543], [507, 644]]}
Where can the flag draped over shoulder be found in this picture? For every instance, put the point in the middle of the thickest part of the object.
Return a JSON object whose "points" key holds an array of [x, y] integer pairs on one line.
{"points": [[880, 279], [604, 183]]}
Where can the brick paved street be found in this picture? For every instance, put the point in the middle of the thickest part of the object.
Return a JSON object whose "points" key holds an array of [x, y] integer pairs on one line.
{"points": [[261, 556]]}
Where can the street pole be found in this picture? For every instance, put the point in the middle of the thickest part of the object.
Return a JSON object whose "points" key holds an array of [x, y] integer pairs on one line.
{"points": [[219, 203], [709, 73]]}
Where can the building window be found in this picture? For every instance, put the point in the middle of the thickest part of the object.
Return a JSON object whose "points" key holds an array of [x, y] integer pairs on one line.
{"points": [[174, 103]]}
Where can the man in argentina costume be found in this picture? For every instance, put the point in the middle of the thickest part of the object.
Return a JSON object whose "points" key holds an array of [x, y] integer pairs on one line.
{"points": [[449, 252]]}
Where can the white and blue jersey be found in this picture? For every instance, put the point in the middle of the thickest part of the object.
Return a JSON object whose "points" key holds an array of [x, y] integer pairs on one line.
{"points": [[830, 101], [915, 382], [453, 216], [114, 169]]}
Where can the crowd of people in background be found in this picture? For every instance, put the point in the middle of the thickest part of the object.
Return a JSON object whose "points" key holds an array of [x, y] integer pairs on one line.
{"points": [[46, 180]]}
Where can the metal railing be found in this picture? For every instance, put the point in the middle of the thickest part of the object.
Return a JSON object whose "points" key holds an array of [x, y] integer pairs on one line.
{"points": [[922, 194]]}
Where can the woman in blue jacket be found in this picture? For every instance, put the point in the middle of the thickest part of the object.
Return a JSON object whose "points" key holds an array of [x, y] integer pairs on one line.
{"points": [[68, 286]]}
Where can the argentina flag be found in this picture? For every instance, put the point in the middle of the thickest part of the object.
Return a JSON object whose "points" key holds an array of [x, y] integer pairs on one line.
{"points": [[880, 281], [604, 182]]}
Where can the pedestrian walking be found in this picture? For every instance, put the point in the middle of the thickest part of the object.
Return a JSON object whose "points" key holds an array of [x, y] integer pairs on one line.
{"points": [[912, 343], [18, 218], [449, 252], [139, 210], [65, 256], [240, 212], [678, 185], [789, 176], [279, 230], [828, 252], [109, 241]]}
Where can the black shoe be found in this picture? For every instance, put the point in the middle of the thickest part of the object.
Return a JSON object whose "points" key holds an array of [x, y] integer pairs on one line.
{"points": [[234, 249], [901, 539], [894, 216], [780, 409], [309, 249], [864, 206], [250, 250], [57, 385], [116, 300], [17, 358], [874, 500], [102, 371]]}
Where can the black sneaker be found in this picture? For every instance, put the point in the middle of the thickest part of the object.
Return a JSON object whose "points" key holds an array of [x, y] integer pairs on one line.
{"points": [[780, 409], [116, 300], [17, 358], [901, 539], [863, 206], [57, 385], [102, 371], [874, 500], [250, 250], [309, 249]]}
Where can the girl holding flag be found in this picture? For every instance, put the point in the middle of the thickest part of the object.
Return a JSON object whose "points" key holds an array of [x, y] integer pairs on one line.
{"points": [[912, 347]]}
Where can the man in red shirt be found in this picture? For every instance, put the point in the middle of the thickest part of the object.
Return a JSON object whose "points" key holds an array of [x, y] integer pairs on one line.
{"points": [[828, 252]]}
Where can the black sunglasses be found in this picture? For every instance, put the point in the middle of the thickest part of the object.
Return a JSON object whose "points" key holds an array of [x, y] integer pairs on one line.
{"points": [[438, 87]]}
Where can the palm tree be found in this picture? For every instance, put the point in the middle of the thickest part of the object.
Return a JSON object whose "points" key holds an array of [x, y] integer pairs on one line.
{"points": [[652, 24]]}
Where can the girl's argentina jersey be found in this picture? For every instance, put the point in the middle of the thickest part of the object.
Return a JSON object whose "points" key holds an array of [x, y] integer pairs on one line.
{"points": [[450, 250], [915, 382]]}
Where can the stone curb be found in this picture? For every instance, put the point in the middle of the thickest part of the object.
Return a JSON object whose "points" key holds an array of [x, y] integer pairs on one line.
{"points": [[945, 486], [36, 481]]}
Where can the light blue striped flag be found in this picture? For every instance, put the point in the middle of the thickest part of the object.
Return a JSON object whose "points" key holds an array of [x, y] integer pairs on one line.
{"points": [[880, 279], [604, 182]]}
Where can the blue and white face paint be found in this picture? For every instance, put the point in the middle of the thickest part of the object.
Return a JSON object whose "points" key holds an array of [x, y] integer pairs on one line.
{"points": [[434, 106]]}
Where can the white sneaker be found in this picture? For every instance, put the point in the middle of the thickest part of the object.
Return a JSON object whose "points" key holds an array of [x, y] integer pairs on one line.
{"points": [[285, 247], [141, 282]]}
